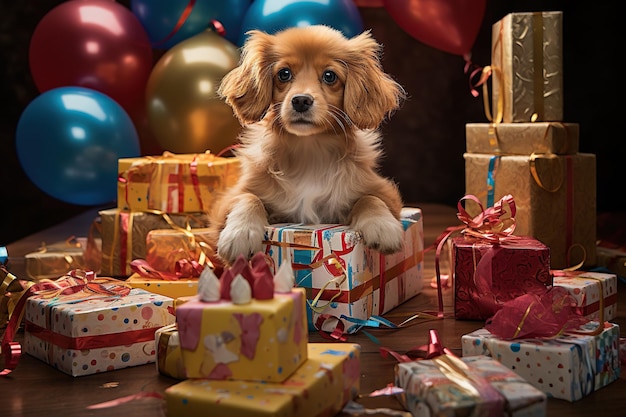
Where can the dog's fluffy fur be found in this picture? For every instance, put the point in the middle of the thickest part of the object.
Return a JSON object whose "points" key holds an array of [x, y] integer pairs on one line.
{"points": [[310, 101]]}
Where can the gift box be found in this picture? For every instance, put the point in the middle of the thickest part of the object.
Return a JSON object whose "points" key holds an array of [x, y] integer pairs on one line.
{"points": [[555, 198], [592, 291], [169, 359], [522, 138], [487, 274], [86, 333], [183, 287], [55, 260], [170, 250], [468, 386], [321, 386], [527, 62], [344, 279], [263, 340], [613, 259], [174, 183], [568, 367], [124, 235]]}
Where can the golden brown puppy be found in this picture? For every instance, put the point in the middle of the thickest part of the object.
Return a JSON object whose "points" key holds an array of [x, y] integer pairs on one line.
{"points": [[310, 101]]}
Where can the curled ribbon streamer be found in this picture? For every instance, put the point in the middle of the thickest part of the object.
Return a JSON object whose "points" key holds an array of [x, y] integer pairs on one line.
{"points": [[535, 173], [430, 350]]}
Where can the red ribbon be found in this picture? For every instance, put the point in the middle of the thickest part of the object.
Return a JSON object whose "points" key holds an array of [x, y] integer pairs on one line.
{"points": [[179, 24], [91, 342], [430, 350], [184, 268]]}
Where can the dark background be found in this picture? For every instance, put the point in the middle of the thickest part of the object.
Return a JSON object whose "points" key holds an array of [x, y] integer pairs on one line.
{"points": [[424, 141]]}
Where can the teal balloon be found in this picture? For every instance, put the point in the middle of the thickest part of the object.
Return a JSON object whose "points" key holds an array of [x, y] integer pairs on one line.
{"points": [[69, 140], [168, 22], [274, 15]]}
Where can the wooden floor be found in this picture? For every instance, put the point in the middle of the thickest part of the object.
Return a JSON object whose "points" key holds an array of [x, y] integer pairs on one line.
{"points": [[37, 389]]}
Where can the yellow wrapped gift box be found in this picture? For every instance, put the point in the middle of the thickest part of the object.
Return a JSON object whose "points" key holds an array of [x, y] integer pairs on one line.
{"points": [[174, 183], [320, 387], [263, 340]]}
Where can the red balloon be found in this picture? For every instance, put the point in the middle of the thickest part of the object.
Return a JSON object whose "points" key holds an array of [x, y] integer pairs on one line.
{"points": [[97, 44], [448, 25]]}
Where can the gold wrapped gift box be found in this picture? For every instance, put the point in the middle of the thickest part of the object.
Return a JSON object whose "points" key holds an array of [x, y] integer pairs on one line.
{"points": [[522, 138], [124, 235], [555, 197], [55, 260], [527, 62]]}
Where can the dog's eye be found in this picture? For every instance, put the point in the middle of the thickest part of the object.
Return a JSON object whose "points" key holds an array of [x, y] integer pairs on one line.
{"points": [[284, 75], [329, 77]]}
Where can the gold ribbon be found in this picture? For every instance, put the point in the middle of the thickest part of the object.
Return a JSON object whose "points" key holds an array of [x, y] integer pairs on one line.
{"points": [[535, 173]]}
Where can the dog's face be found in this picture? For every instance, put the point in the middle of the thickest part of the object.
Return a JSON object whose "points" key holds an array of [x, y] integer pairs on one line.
{"points": [[311, 80]]}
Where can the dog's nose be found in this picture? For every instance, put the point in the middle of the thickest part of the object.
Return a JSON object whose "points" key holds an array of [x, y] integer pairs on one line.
{"points": [[302, 102]]}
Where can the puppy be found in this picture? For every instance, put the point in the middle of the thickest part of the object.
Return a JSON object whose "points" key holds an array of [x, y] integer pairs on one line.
{"points": [[310, 101]]}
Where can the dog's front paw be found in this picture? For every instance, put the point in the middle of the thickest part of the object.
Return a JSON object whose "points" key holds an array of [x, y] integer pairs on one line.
{"points": [[384, 234], [240, 239]]}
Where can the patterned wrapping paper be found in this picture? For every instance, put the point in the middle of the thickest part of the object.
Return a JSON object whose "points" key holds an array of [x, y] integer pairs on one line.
{"points": [[569, 367], [429, 391], [527, 62], [355, 282], [522, 138], [124, 235], [519, 265], [557, 207], [174, 183], [264, 340], [320, 387], [590, 290], [96, 333]]}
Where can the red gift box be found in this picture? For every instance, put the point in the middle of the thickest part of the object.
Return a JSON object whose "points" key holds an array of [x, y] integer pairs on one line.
{"points": [[487, 273]]}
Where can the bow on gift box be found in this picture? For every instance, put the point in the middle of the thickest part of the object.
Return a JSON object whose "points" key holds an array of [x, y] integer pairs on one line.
{"points": [[77, 284], [490, 225]]}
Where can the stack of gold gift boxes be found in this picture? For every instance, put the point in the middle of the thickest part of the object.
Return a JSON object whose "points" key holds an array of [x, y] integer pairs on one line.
{"points": [[527, 150]]}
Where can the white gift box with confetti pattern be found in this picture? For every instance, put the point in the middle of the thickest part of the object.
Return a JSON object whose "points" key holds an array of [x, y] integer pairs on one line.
{"points": [[568, 367], [88, 334]]}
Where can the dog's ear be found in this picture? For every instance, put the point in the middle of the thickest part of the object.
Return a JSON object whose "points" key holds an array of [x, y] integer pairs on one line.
{"points": [[370, 94], [248, 87]]}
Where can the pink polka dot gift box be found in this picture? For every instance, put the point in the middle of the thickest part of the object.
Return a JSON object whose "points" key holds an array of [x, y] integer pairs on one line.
{"points": [[89, 332]]}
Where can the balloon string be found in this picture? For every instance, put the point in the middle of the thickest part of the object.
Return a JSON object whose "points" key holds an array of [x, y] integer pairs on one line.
{"points": [[181, 21]]}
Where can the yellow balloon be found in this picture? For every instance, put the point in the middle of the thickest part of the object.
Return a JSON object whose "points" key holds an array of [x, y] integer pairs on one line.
{"points": [[184, 111]]}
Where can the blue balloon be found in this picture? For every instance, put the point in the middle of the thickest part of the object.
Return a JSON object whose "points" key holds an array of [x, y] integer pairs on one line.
{"points": [[274, 15], [168, 22], [69, 140]]}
